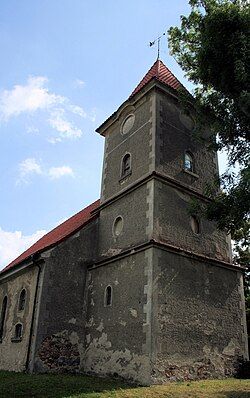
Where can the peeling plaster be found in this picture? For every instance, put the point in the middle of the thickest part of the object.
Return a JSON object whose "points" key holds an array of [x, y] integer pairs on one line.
{"points": [[100, 327], [102, 360], [133, 312]]}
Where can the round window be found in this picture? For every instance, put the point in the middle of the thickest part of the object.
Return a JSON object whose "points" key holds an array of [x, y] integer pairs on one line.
{"points": [[195, 225], [118, 226], [128, 124]]}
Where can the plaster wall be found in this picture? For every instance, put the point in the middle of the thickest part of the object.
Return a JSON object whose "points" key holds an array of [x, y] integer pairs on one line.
{"points": [[133, 208], [60, 336], [118, 336], [137, 142], [174, 136], [13, 354], [172, 224], [199, 327]]}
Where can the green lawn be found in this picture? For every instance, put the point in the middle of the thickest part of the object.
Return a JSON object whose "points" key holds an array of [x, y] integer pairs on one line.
{"points": [[69, 386]]}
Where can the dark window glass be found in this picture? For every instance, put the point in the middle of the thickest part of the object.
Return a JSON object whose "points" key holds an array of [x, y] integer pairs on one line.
{"points": [[126, 165], [108, 296], [3, 316], [189, 162], [22, 299], [18, 331]]}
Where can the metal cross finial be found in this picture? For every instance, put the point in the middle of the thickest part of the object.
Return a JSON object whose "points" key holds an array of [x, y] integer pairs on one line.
{"points": [[158, 39]]}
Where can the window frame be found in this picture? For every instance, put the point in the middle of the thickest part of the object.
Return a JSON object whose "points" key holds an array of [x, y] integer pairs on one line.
{"points": [[22, 300], [195, 224], [126, 171], [18, 336], [108, 303], [191, 160]]}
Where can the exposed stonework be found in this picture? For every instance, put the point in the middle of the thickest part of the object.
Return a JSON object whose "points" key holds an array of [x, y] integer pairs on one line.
{"points": [[58, 353]]}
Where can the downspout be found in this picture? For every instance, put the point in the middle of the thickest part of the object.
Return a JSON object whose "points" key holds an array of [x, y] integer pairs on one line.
{"points": [[35, 263]]}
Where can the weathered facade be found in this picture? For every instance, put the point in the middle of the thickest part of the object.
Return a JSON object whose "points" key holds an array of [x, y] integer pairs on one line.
{"points": [[133, 285]]}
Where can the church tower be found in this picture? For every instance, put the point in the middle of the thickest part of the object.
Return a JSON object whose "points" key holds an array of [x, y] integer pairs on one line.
{"points": [[164, 301]]}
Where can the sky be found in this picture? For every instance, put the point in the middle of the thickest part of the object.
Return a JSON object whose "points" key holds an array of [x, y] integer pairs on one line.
{"points": [[66, 65]]}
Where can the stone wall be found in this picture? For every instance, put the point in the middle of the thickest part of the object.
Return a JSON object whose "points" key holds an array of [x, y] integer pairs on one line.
{"points": [[199, 328], [13, 353]]}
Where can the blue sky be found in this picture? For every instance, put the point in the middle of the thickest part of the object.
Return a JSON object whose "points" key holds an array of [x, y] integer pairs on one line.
{"points": [[66, 65]]}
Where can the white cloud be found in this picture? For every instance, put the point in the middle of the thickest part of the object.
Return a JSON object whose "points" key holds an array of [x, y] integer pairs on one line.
{"points": [[78, 110], [35, 96], [58, 172], [30, 167], [79, 83], [54, 140], [92, 116], [28, 98], [27, 168], [65, 128], [12, 244], [32, 130]]}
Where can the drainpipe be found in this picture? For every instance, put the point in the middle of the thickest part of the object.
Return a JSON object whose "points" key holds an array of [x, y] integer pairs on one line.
{"points": [[34, 258]]}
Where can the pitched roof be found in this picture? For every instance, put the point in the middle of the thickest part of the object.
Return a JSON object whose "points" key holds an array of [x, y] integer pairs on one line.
{"points": [[58, 234], [160, 72]]}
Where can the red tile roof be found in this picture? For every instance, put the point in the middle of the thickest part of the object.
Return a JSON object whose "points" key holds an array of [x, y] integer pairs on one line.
{"points": [[58, 234], [160, 72]]}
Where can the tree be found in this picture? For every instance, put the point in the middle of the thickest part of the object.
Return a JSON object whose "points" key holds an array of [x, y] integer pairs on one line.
{"points": [[212, 47]]}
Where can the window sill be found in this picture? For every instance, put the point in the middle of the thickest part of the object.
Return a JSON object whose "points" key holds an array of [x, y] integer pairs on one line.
{"points": [[190, 173], [123, 178], [16, 340]]}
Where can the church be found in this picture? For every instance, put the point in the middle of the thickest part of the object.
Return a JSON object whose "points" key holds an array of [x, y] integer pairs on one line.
{"points": [[134, 285]]}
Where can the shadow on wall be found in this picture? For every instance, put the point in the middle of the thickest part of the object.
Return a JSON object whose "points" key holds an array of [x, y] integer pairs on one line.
{"points": [[234, 394]]}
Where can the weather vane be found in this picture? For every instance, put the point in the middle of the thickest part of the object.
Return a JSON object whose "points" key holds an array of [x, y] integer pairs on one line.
{"points": [[158, 40]]}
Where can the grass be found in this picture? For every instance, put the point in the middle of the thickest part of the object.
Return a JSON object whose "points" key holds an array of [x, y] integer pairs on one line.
{"points": [[17, 385]]}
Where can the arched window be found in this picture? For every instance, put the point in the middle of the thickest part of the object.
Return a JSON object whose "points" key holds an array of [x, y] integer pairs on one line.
{"points": [[22, 299], [18, 331], [108, 296], [126, 165], [117, 226], [3, 316], [189, 162], [195, 225]]}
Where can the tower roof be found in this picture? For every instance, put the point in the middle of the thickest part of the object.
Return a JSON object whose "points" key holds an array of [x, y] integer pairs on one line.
{"points": [[160, 72]]}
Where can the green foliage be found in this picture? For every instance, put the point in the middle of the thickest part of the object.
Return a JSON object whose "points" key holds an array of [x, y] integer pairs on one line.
{"points": [[212, 47]]}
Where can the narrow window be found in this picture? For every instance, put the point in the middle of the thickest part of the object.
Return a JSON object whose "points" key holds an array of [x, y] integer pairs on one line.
{"points": [[126, 165], [18, 331], [189, 162], [195, 225], [22, 299], [3, 316], [108, 296], [117, 226]]}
